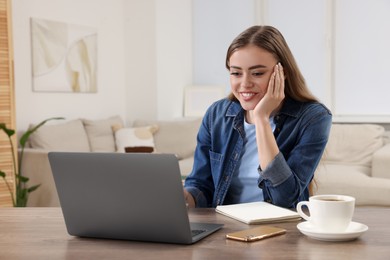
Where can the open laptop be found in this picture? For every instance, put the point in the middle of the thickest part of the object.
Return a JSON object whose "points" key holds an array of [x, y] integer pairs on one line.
{"points": [[130, 196]]}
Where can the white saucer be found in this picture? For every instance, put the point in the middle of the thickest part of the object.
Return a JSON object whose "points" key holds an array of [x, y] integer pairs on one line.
{"points": [[353, 231]]}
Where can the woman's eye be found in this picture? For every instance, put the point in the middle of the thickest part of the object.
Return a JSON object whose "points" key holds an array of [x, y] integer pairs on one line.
{"points": [[257, 74], [235, 73]]}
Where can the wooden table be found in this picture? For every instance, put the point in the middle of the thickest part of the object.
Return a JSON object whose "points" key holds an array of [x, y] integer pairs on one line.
{"points": [[40, 233]]}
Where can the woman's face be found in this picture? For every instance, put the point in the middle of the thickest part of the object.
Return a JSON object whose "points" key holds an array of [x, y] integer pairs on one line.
{"points": [[250, 70]]}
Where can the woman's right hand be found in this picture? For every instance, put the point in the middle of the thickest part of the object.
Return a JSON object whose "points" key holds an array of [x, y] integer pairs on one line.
{"points": [[189, 199]]}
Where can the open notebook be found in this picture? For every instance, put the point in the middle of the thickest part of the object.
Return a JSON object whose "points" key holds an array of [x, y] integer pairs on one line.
{"points": [[257, 212]]}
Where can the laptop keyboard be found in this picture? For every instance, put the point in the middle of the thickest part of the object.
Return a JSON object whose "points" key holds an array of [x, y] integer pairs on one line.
{"points": [[196, 232]]}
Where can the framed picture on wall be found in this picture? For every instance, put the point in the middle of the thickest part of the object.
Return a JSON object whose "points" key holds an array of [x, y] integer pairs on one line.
{"points": [[64, 57], [198, 98]]}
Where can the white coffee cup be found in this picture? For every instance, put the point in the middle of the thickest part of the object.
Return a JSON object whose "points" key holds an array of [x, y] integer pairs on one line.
{"points": [[328, 213]]}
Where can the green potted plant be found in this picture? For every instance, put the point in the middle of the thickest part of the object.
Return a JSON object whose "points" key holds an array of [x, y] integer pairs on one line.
{"points": [[22, 191]]}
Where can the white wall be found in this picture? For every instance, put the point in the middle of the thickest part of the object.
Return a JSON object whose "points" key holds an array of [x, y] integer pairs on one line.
{"points": [[173, 54], [158, 57], [140, 56], [144, 59], [105, 15], [149, 51], [361, 64], [216, 24]]}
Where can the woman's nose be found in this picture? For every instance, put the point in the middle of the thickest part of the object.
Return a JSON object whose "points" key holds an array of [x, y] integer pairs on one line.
{"points": [[246, 81]]}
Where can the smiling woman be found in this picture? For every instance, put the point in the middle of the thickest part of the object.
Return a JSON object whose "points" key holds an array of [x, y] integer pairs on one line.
{"points": [[263, 142]]}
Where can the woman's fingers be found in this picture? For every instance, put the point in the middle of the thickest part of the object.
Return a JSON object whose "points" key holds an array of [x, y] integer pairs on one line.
{"points": [[281, 81], [277, 80], [271, 83]]}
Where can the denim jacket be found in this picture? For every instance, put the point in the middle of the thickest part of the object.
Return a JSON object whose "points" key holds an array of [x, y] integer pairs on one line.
{"points": [[301, 132]]}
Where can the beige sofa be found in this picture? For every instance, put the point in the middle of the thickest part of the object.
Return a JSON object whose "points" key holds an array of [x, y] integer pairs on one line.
{"points": [[80, 135], [356, 161]]}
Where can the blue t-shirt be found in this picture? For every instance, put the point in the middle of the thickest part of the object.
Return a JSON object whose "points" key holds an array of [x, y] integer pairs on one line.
{"points": [[244, 186]]}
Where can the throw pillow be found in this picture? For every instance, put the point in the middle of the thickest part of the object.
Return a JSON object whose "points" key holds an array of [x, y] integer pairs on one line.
{"points": [[64, 137], [100, 133], [132, 139], [354, 143], [174, 136]]}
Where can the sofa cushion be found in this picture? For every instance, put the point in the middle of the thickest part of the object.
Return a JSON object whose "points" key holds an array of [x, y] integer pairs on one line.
{"points": [[133, 137], [100, 133], [175, 136], [340, 168], [67, 137], [352, 182], [353, 143], [186, 165]]}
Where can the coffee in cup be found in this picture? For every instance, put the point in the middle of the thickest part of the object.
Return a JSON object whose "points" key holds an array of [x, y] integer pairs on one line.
{"points": [[328, 213]]}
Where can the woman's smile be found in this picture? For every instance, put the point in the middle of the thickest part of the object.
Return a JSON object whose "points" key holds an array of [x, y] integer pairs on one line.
{"points": [[247, 96]]}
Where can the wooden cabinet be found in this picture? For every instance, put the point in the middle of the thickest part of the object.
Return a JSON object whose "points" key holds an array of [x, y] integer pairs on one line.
{"points": [[7, 100]]}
